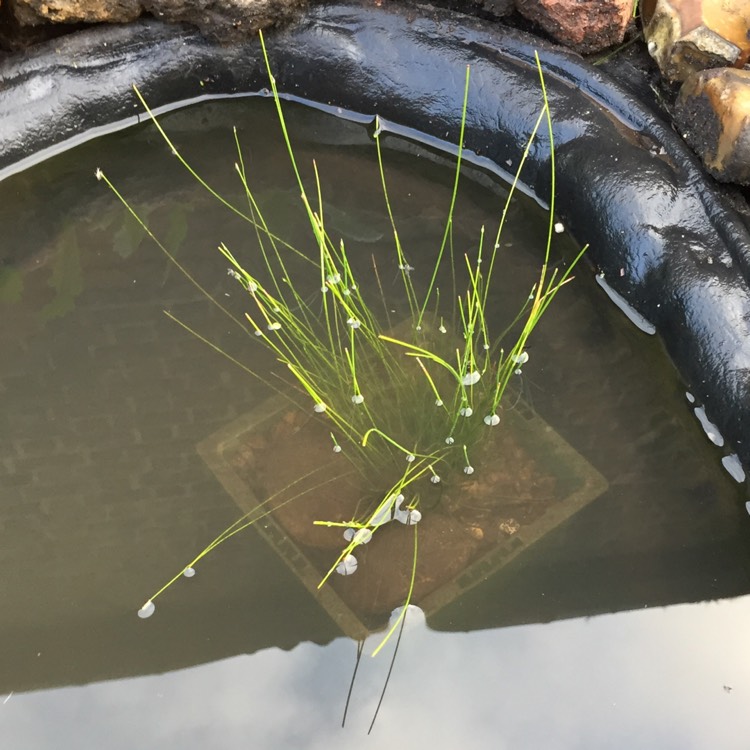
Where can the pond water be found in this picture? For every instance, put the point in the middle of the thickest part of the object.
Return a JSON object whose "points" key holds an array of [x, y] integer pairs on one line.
{"points": [[624, 627]]}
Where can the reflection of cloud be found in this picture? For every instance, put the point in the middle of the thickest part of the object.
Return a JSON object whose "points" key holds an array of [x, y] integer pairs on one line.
{"points": [[649, 679]]}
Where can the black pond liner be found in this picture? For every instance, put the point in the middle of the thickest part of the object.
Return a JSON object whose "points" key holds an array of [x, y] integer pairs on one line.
{"points": [[659, 231]]}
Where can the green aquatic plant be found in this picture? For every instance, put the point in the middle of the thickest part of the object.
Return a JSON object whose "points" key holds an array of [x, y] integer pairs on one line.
{"points": [[410, 387]]}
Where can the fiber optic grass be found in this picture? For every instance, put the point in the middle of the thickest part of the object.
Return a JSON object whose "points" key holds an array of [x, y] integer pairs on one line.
{"points": [[410, 402]]}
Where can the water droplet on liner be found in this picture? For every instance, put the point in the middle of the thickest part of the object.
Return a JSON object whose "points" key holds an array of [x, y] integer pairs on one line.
{"points": [[630, 312], [733, 466], [711, 430]]}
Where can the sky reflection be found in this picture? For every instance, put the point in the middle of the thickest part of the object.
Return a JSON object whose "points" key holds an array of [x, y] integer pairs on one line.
{"points": [[664, 678]]}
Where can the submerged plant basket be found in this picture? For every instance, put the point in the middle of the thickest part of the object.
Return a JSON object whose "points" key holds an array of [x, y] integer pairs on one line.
{"points": [[530, 482]]}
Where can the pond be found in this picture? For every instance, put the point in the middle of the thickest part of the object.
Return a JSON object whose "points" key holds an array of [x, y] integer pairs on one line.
{"points": [[625, 626]]}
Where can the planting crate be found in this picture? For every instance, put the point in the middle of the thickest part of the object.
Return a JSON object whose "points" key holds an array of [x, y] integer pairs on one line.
{"points": [[529, 482]]}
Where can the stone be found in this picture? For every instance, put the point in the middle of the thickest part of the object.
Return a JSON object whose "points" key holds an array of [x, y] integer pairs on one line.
{"points": [[713, 113], [585, 25], [685, 36], [17, 36], [497, 8], [37, 12], [228, 20]]}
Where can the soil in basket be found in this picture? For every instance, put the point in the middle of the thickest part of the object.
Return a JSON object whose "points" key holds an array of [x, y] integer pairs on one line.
{"points": [[460, 522]]}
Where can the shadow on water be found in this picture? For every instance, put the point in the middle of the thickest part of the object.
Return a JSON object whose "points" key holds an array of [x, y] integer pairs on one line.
{"points": [[104, 497]]}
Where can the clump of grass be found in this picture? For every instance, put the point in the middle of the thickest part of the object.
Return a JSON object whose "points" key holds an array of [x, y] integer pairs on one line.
{"points": [[409, 402], [412, 402]]}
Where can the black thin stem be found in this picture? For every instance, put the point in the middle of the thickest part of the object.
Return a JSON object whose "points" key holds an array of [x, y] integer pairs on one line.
{"points": [[388, 676], [360, 648]]}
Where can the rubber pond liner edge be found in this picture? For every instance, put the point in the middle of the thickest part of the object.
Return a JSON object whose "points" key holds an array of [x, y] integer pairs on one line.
{"points": [[660, 234]]}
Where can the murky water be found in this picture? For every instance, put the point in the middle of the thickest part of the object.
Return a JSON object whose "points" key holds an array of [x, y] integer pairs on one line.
{"points": [[625, 627]]}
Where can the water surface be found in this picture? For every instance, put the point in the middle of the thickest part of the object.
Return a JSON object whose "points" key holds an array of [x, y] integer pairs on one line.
{"points": [[623, 628]]}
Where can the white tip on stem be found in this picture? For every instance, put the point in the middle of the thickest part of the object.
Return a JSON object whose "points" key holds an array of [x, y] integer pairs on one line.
{"points": [[146, 610], [347, 566]]}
